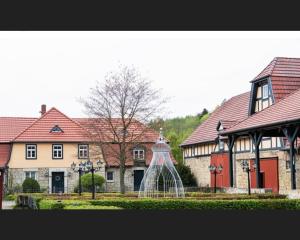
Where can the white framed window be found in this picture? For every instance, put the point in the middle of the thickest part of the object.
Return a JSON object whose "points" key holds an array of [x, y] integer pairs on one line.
{"points": [[110, 176], [57, 151], [30, 174], [83, 151], [265, 91], [138, 154], [31, 151]]}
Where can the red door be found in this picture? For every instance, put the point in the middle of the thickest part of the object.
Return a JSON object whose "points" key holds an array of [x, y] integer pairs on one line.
{"points": [[223, 177], [269, 174]]}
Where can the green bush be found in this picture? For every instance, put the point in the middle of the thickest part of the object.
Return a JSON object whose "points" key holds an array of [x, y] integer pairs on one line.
{"points": [[162, 204], [30, 186], [187, 177], [10, 197], [250, 204], [86, 183], [90, 207]]}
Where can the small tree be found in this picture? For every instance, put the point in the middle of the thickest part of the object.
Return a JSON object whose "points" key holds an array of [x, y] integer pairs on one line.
{"points": [[30, 186], [120, 109], [187, 177], [86, 181]]}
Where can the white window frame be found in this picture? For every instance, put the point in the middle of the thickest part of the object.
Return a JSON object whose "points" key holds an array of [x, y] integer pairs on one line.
{"points": [[30, 174], [139, 158], [81, 151], [265, 90], [57, 150], [31, 151], [113, 176]]}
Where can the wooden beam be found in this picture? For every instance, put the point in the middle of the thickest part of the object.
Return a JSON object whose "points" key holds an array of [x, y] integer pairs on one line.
{"points": [[291, 134], [230, 143], [256, 139]]}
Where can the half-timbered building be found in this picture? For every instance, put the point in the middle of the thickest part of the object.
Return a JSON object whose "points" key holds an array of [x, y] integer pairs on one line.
{"points": [[258, 127]]}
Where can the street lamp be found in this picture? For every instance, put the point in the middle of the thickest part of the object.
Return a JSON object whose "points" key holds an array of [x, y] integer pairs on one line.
{"points": [[215, 170], [246, 168], [89, 167], [79, 170]]}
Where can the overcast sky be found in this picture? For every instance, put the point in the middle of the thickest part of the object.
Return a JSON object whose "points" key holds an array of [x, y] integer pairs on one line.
{"points": [[195, 69]]}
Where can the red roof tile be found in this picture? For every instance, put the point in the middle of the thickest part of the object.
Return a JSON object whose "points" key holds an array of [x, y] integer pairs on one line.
{"points": [[287, 109], [285, 76], [10, 127], [235, 109], [39, 130], [137, 130], [110, 154], [4, 154]]}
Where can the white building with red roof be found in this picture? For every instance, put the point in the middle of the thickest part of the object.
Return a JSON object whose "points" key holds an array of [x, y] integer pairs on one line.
{"points": [[44, 148]]}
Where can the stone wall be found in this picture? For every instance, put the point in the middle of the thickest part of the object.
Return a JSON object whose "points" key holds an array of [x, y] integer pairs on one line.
{"points": [[199, 167], [114, 186], [16, 176]]}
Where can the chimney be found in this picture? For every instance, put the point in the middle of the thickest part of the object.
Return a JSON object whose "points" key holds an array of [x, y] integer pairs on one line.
{"points": [[43, 109]]}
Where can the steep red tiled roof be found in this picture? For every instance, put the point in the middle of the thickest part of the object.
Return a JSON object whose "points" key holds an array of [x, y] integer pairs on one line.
{"points": [[235, 109], [10, 127], [288, 109], [101, 127], [4, 154], [285, 76], [39, 130]]}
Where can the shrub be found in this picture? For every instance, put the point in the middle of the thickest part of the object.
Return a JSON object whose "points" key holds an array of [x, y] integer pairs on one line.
{"points": [[170, 204], [250, 204], [86, 183], [187, 177], [90, 207], [30, 186]]}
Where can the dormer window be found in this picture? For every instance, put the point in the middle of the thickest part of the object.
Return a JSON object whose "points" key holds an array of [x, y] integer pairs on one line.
{"points": [[56, 129]]}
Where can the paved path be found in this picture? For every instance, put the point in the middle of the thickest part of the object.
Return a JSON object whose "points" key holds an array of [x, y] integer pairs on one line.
{"points": [[8, 204]]}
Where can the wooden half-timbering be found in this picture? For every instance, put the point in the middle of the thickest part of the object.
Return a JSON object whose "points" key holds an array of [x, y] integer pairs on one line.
{"points": [[202, 149]]}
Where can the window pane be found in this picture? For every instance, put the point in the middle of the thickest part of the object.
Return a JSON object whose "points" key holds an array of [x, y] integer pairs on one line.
{"points": [[265, 91], [110, 176]]}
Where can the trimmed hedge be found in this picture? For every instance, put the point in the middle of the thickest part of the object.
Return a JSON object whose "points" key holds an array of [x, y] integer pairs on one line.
{"points": [[90, 207], [202, 204], [251, 204]]}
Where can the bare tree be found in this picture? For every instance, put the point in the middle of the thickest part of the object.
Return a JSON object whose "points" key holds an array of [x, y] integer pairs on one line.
{"points": [[120, 109]]}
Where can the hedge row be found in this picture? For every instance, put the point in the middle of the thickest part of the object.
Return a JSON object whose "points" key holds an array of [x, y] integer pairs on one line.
{"points": [[252, 204]]}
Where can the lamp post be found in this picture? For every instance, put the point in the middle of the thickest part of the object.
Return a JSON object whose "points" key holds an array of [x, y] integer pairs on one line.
{"points": [[215, 170], [79, 170], [246, 168], [89, 167]]}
